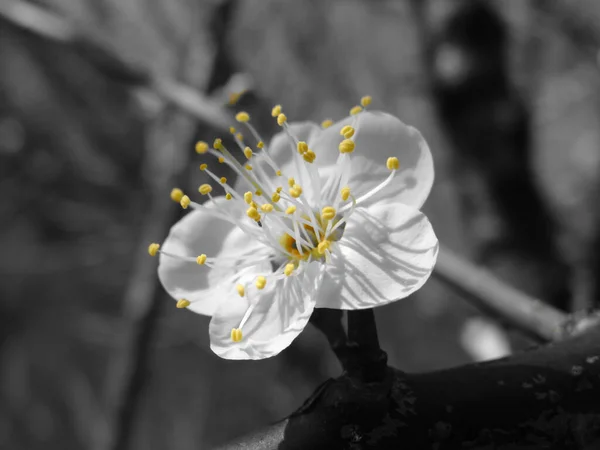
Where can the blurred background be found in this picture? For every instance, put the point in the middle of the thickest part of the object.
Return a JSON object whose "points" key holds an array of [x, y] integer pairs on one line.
{"points": [[93, 355]]}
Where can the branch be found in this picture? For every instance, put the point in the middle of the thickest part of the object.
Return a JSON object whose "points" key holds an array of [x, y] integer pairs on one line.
{"points": [[544, 398]]}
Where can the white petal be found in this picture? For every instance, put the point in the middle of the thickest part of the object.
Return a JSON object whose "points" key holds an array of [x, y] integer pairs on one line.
{"points": [[387, 252], [379, 136], [279, 315], [200, 232]]}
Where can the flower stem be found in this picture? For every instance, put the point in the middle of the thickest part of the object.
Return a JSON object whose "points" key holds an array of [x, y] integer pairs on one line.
{"points": [[368, 362]]}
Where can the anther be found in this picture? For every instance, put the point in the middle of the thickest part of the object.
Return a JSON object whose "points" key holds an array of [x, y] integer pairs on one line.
{"points": [[392, 163], [239, 136], [252, 212], [260, 144], [327, 123], [328, 213], [242, 116], [278, 173], [228, 196], [323, 246], [184, 202], [346, 129], [291, 182], [267, 207], [346, 146], [248, 167], [279, 189], [309, 156], [258, 192], [289, 268], [260, 282], [183, 303], [153, 249], [296, 192], [201, 147], [248, 197], [355, 110], [221, 159], [236, 335], [240, 289], [201, 259], [248, 152], [302, 147], [366, 100], [217, 144], [290, 210], [281, 119], [276, 110], [345, 193], [275, 197], [205, 189], [176, 195], [203, 167], [223, 180], [232, 130]]}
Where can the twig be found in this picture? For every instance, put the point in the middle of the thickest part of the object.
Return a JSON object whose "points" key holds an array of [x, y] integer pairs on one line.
{"points": [[527, 314]]}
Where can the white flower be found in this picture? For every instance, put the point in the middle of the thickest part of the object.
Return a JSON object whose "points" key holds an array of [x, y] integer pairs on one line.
{"points": [[323, 217]]}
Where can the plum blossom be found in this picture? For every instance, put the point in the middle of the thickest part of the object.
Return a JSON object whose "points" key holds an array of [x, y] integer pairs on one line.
{"points": [[323, 217]]}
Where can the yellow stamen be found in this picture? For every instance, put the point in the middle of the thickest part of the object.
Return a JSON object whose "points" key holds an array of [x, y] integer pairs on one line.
{"points": [[327, 123], [392, 163], [346, 146], [323, 246], [295, 192], [185, 202], [248, 152], [349, 134], [290, 210], [345, 193], [281, 119], [201, 259], [223, 180], [203, 167], [248, 167], [278, 173], [236, 335], [267, 207], [346, 129], [153, 249], [217, 144], [239, 136], [276, 110], [309, 156], [260, 144], [205, 189], [366, 100], [355, 110], [176, 195], [291, 182], [232, 130], [228, 196], [234, 97], [252, 212], [289, 268], [302, 147], [242, 116], [201, 147], [275, 197], [258, 192], [260, 282], [183, 303], [248, 197], [328, 213], [240, 289], [221, 159], [279, 189]]}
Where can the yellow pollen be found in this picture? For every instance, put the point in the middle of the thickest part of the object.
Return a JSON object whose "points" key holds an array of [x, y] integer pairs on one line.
{"points": [[153, 249], [260, 282], [258, 192], [355, 110], [289, 268], [240, 289], [221, 159], [328, 213], [267, 207], [296, 191], [346, 129], [248, 152], [223, 180], [228, 196], [279, 189], [349, 134], [184, 202], [248, 197], [205, 189], [248, 167], [176, 195], [252, 212], [276, 110], [201, 259], [281, 119], [290, 210], [392, 163], [254, 205], [302, 147], [183, 303], [323, 245], [201, 147], [327, 123], [217, 144], [291, 182], [203, 167], [346, 146], [234, 97], [239, 136], [278, 173], [242, 116], [232, 130], [345, 193], [366, 100], [260, 144], [236, 335], [309, 156], [275, 197]]}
